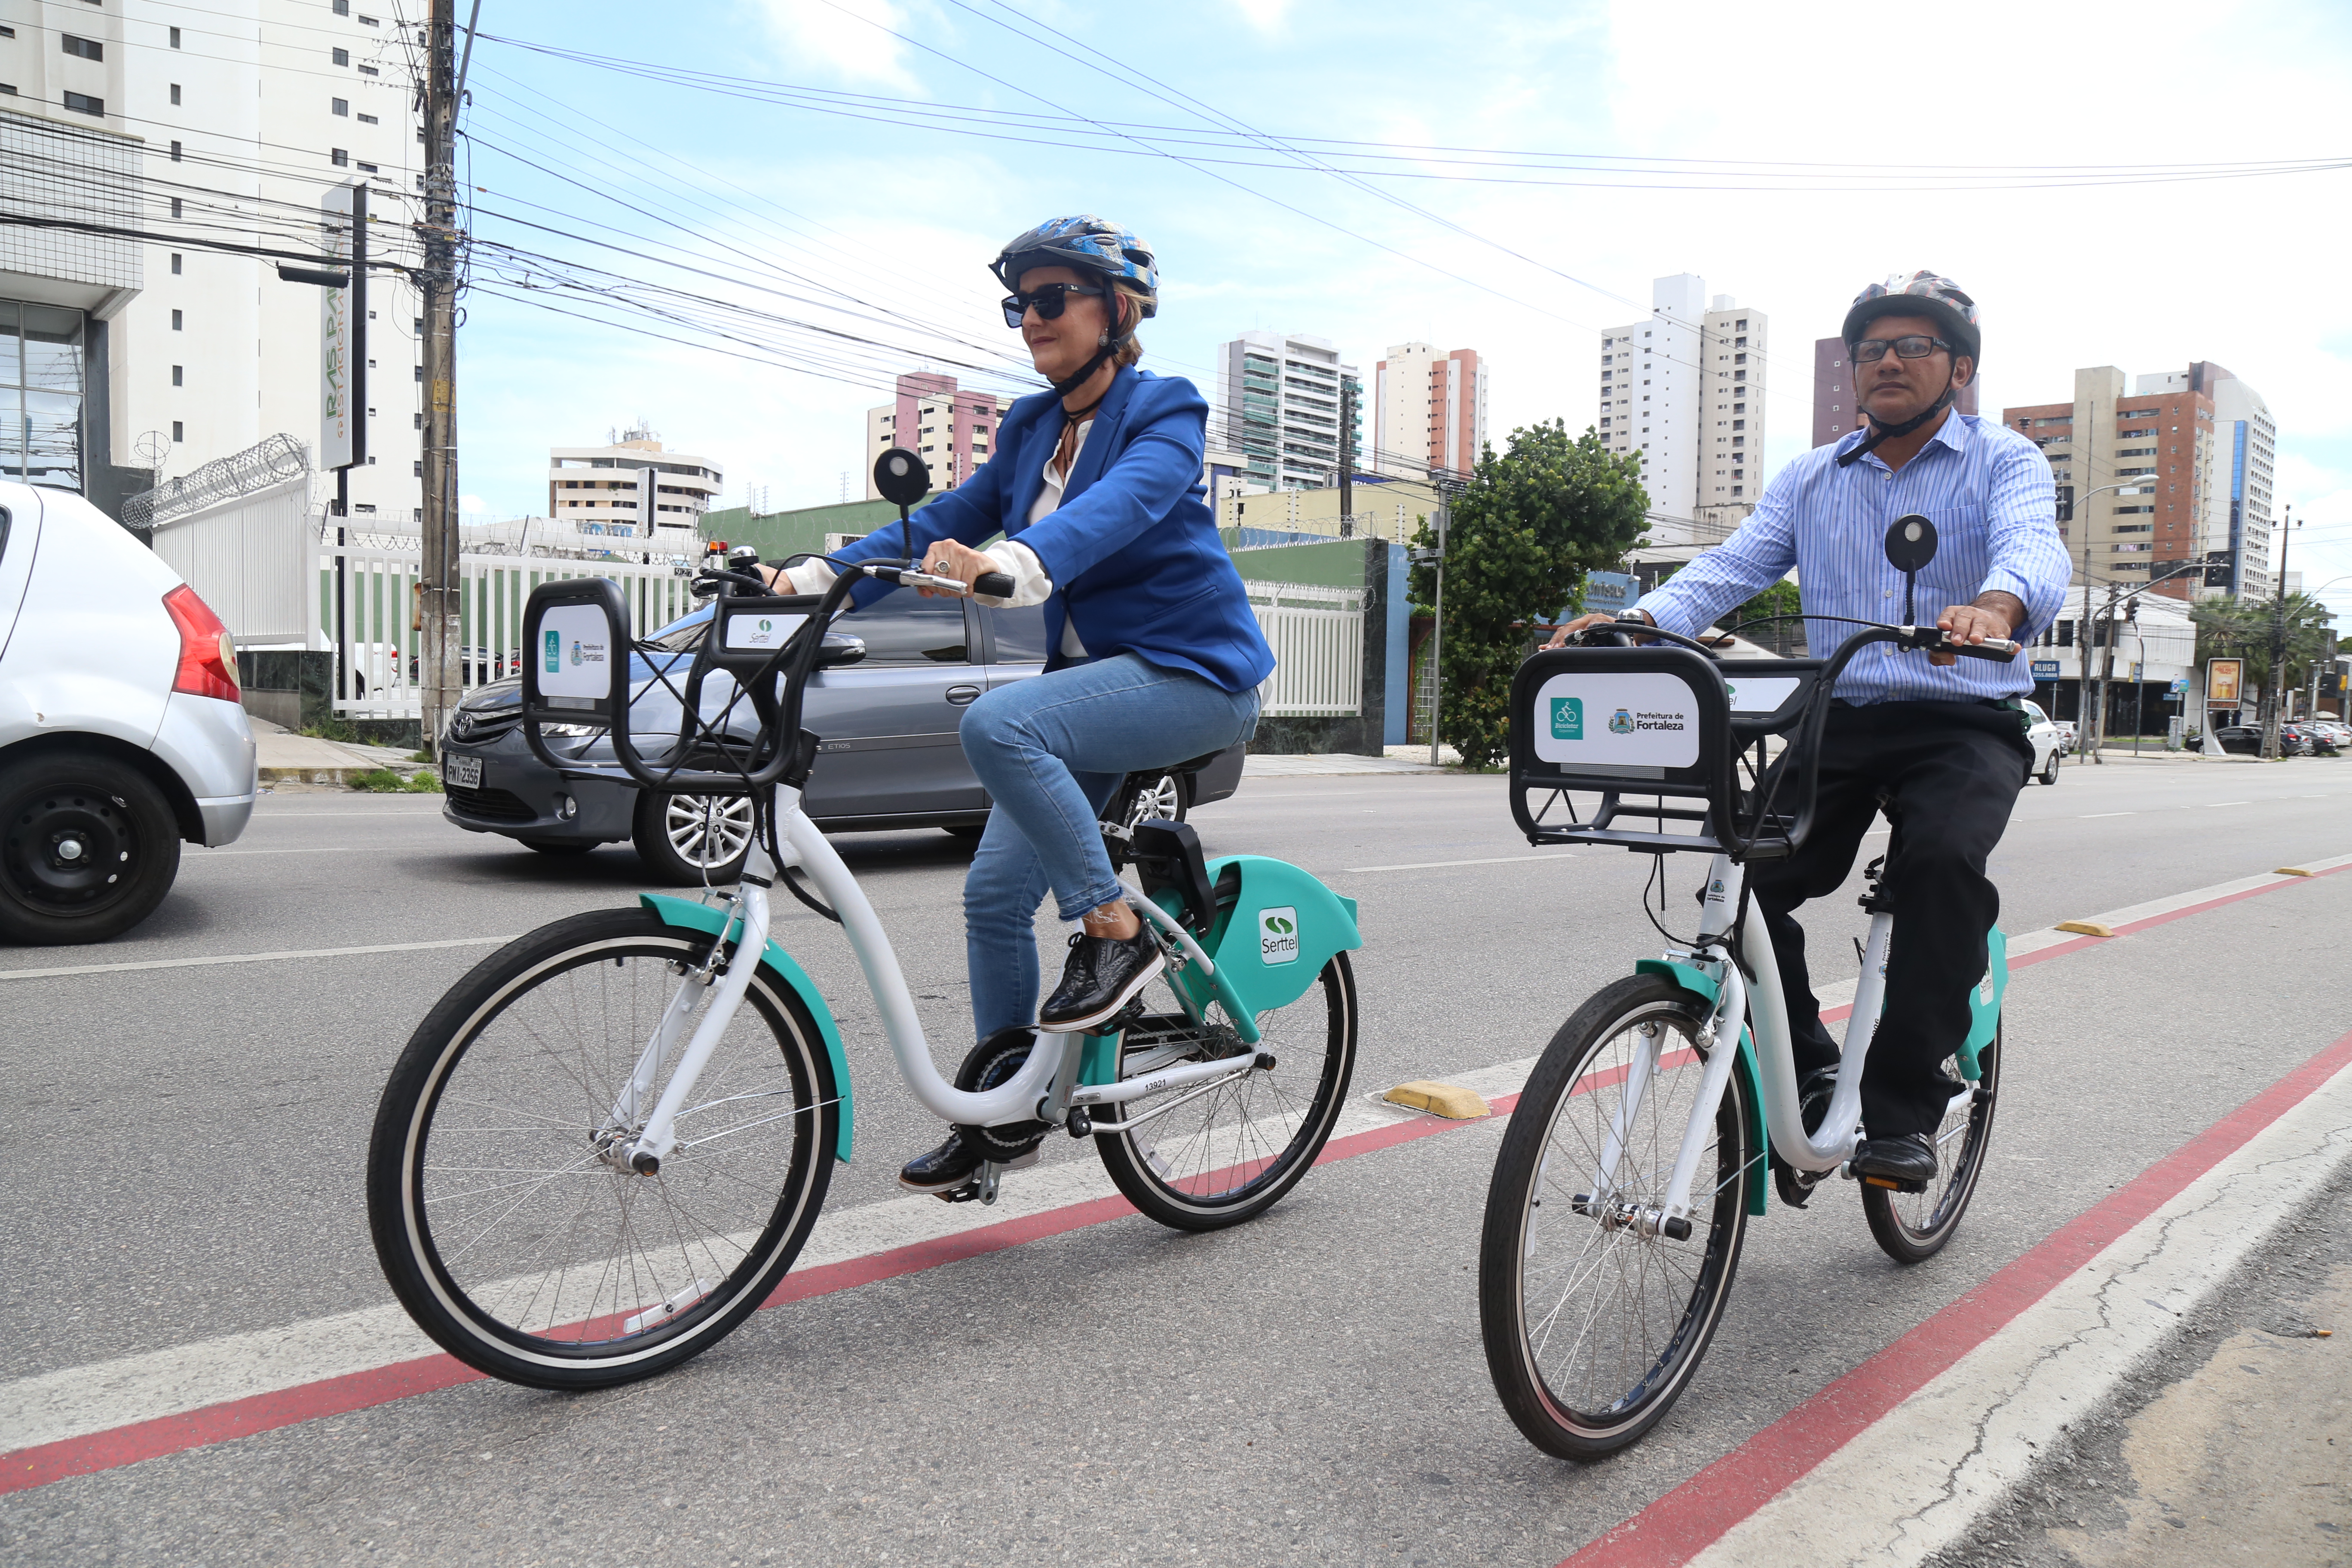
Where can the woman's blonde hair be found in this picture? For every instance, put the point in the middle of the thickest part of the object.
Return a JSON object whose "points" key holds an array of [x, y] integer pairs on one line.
{"points": [[1126, 296]]}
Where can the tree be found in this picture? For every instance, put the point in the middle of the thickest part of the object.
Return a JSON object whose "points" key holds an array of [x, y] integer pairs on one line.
{"points": [[2233, 627], [1523, 534]]}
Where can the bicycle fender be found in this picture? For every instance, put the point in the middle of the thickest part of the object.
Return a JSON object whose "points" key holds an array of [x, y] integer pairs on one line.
{"points": [[1283, 927], [1984, 1003], [689, 915], [1692, 978]]}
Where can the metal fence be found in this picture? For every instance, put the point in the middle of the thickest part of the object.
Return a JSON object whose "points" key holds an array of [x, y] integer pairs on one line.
{"points": [[378, 592], [1318, 638]]}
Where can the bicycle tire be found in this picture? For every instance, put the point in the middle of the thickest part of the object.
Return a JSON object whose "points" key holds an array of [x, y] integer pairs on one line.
{"points": [[531, 1253], [1650, 1304], [1911, 1227], [1231, 1153]]}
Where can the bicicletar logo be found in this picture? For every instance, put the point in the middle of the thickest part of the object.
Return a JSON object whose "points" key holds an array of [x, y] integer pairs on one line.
{"points": [[1277, 935], [1621, 722], [1567, 718], [555, 650]]}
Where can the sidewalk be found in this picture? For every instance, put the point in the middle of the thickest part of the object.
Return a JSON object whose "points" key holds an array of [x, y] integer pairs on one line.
{"points": [[284, 757], [1397, 760]]}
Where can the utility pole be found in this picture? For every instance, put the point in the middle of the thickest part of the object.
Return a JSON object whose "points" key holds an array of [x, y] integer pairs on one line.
{"points": [[1437, 558], [2086, 730], [442, 585], [2275, 686], [1347, 459]]}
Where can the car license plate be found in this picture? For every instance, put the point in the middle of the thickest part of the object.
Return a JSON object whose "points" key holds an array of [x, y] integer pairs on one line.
{"points": [[464, 772]]}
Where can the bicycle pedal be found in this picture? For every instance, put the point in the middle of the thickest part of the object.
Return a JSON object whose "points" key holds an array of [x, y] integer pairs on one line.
{"points": [[968, 1193], [1893, 1185]]}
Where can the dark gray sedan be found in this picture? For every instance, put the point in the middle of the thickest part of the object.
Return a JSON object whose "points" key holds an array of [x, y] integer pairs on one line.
{"points": [[890, 758]]}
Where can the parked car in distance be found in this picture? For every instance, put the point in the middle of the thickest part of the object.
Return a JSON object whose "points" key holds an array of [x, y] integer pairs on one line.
{"points": [[889, 757], [2043, 736], [2068, 737], [2247, 740], [119, 729]]}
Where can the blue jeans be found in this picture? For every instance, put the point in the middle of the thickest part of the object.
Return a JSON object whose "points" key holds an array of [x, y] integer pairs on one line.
{"points": [[1051, 751]]}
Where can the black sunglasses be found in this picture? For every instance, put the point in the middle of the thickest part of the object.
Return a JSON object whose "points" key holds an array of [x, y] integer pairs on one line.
{"points": [[1870, 351], [1047, 300]]}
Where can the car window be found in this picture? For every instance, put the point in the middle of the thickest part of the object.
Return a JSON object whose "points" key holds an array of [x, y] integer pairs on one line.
{"points": [[905, 629], [679, 639], [2036, 709], [1018, 635]]}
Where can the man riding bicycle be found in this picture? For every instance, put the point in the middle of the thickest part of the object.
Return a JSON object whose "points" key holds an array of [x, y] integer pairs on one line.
{"points": [[1943, 743], [1096, 488]]}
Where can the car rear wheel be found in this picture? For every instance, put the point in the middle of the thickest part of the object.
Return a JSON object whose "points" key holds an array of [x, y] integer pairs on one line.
{"points": [[686, 840], [1144, 796], [88, 849]]}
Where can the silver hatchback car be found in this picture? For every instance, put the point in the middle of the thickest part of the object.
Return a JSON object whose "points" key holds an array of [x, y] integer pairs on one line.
{"points": [[889, 757]]}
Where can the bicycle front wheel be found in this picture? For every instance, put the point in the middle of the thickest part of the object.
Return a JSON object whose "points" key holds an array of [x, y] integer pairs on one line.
{"points": [[1216, 1157], [1594, 1318], [503, 1208], [1911, 1227]]}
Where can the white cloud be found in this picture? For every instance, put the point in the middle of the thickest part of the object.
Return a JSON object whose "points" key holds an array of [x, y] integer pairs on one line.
{"points": [[842, 38]]}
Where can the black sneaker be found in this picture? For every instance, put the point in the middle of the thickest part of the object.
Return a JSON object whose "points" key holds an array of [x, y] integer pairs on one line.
{"points": [[1103, 975], [1905, 1164], [944, 1169]]}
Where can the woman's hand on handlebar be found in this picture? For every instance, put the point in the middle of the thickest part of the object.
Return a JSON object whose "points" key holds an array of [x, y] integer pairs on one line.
{"points": [[946, 558], [1585, 623]]}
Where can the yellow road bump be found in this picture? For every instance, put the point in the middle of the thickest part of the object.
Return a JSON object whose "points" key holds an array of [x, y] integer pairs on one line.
{"points": [[2085, 928], [2292, 871], [1446, 1100]]}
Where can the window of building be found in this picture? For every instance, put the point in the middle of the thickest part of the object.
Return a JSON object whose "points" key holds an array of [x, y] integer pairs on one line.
{"points": [[1739, 408], [82, 103], [175, 38], [1740, 342], [175, 94], [175, 376], [367, 120], [85, 48], [7, 32], [179, 431], [368, 169], [342, 56], [1742, 424], [175, 206], [370, 71], [175, 152], [339, 106], [176, 319], [40, 394], [176, 264], [342, 7], [340, 158]]}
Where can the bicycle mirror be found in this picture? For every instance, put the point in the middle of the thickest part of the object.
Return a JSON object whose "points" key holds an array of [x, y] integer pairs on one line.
{"points": [[576, 637], [902, 478], [1910, 545]]}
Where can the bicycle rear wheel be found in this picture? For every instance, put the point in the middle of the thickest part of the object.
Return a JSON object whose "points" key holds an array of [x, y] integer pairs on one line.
{"points": [[503, 1209], [1911, 1227], [1593, 1329], [1226, 1154]]}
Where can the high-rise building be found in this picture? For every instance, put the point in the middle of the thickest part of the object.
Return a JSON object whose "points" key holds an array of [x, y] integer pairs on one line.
{"points": [[601, 490], [1429, 410], [1687, 388], [2192, 452], [1834, 409], [1280, 401], [953, 430], [210, 127]]}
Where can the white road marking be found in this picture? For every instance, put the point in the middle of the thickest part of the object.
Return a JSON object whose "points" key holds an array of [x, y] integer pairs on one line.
{"points": [[248, 958], [1915, 1480], [2091, 816], [1495, 860], [320, 849]]}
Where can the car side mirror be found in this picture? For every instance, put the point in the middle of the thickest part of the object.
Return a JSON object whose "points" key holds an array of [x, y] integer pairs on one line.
{"points": [[1910, 545], [840, 648]]}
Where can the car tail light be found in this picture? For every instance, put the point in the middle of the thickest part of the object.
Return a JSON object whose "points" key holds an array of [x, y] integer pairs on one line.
{"points": [[208, 654]]}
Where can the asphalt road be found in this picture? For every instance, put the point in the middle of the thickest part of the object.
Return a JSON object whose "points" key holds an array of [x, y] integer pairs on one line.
{"points": [[185, 1163]]}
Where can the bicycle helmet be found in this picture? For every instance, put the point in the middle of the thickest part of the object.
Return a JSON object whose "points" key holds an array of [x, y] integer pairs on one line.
{"points": [[1924, 293], [1087, 244]]}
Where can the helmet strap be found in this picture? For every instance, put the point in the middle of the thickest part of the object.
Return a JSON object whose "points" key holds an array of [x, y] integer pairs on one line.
{"points": [[1111, 343], [1889, 432]]}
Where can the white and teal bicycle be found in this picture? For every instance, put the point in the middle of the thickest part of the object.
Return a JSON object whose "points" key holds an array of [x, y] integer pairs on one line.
{"points": [[1641, 1143], [604, 1148]]}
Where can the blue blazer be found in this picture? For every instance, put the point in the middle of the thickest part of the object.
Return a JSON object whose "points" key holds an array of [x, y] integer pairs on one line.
{"points": [[1133, 550]]}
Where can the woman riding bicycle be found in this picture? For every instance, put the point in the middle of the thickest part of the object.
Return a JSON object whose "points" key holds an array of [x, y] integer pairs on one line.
{"points": [[1155, 654]]}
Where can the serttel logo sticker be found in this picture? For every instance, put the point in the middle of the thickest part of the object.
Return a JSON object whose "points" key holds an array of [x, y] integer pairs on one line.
{"points": [[1277, 935], [1621, 722], [555, 650], [1567, 718]]}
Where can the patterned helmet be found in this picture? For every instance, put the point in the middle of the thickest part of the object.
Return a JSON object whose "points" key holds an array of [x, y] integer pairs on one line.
{"points": [[1088, 243], [1924, 293]]}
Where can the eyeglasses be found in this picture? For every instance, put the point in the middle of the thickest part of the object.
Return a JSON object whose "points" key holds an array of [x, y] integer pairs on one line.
{"points": [[1870, 351], [1047, 300]]}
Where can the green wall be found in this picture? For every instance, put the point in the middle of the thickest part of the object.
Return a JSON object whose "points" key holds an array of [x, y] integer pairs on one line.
{"points": [[781, 533], [1338, 565]]}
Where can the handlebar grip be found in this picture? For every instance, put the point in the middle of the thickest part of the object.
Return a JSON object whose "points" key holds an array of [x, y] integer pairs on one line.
{"points": [[1999, 649], [995, 584]]}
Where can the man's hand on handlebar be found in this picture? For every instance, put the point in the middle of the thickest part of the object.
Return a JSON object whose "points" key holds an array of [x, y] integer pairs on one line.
{"points": [[1582, 623], [1991, 618]]}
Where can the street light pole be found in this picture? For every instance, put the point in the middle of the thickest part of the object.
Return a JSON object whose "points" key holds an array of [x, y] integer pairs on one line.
{"points": [[2277, 682]]}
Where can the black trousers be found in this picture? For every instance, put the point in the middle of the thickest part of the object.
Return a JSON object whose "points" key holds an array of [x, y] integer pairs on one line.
{"points": [[1951, 772]]}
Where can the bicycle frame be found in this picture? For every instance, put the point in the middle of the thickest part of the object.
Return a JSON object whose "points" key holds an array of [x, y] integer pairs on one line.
{"points": [[1044, 1088]]}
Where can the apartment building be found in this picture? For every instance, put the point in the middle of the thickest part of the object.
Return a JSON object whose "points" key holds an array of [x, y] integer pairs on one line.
{"points": [[213, 128], [953, 430], [1687, 389], [1429, 410], [2190, 457], [605, 489], [1290, 407], [1834, 409]]}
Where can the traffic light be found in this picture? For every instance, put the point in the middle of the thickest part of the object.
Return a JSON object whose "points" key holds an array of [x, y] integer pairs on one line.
{"points": [[2065, 503]]}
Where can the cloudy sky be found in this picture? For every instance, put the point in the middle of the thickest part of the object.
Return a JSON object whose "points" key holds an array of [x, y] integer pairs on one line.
{"points": [[823, 182]]}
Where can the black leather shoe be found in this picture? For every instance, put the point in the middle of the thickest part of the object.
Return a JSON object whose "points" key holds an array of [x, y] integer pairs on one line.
{"points": [[1905, 1165], [944, 1169], [1104, 973]]}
